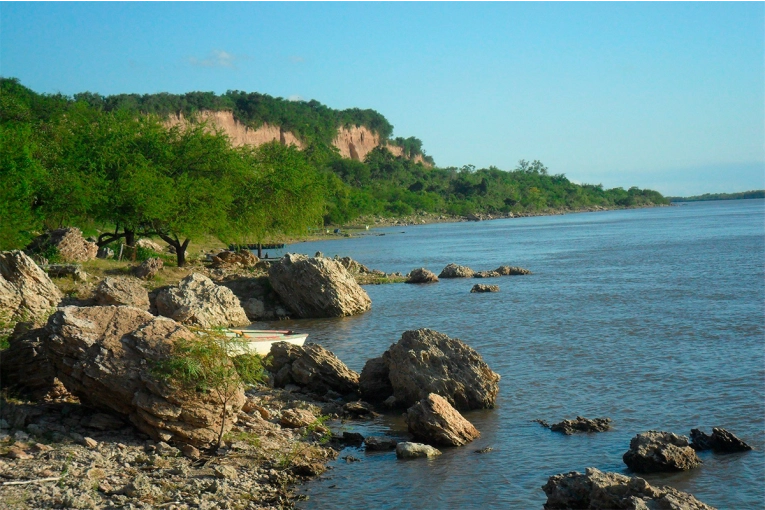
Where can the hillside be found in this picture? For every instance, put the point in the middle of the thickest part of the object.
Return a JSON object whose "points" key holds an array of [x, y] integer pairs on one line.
{"points": [[108, 160], [720, 196]]}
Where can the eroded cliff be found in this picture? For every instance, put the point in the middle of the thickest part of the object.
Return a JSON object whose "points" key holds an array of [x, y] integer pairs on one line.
{"points": [[353, 142]]}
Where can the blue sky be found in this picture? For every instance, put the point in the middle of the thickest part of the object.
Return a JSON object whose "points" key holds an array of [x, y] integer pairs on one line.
{"points": [[669, 96]]}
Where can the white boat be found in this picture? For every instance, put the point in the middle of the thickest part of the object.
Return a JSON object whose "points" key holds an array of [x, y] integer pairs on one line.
{"points": [[259, 341]]}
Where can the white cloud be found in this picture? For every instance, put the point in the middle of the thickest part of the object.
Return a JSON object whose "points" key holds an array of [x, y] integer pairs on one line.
{"points": [[216, 58], [295, 97]]}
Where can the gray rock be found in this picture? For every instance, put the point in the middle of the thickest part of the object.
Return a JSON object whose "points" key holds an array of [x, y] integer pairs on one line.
{"points": [[311, 367], [596, 490], [26, 292], [408, 450], [149, 268], [478, 287], [721, 441], [486, 274], [421, 275], [62, 270], [25, 365], [455, 271], [69, 243], [198, 301], [105, 252], [379, 443], [374, 382], [122, 291], [434, 421], [655, 451], [105, 355], [317, 287], [580, 424], [511, 271], [426, 361]]}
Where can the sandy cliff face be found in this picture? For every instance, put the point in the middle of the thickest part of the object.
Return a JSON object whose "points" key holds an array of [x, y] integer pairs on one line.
{"points": [[238, 132], [354, 142]]}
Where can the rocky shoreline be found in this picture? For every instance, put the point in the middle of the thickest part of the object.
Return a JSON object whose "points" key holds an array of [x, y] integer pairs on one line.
{"points": [[87, 420]]}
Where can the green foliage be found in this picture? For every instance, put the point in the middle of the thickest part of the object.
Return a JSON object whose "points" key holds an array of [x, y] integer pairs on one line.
{"points": [[142, 254], [250, 369], [204, 365]]}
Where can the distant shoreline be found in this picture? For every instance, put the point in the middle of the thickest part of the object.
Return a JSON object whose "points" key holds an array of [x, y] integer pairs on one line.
{"points": [[708, 197], [367, 223]]}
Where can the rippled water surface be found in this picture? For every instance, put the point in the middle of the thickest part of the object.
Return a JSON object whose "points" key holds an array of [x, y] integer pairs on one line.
{"points": [[652, 317]]}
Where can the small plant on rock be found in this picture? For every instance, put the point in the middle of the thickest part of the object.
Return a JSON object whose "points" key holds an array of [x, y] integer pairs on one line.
{"points": [[206, 365]]}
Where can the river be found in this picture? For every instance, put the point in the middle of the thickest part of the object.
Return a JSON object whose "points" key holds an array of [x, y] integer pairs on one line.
{"points": [[652, 317]]}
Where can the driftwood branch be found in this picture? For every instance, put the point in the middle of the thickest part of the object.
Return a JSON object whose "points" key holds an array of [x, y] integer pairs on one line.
{"points": [[39, 480]]}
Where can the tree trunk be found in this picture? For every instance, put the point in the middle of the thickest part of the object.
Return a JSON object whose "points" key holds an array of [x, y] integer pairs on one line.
{"points": [[180, 248], [260, 251], [130, 237]]}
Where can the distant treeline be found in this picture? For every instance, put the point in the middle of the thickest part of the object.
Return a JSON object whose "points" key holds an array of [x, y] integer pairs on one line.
{"points": [[759, 193], [90, 159]]}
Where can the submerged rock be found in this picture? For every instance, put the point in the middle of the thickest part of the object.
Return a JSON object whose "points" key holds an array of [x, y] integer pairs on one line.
{"points": [[317, 287], [380, 443], [421, 275], [424, 361], [721, 441], [455, 271], [580, 424], [484, 288], [415, 450], [199, 301], [511, 271], [596, 490], [434, 421], [105, 356], [655, 451], [486, 274]]}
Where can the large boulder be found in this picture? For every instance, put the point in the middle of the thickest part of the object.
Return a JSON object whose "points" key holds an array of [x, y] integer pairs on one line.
{"points": [[455, 271], [122, 291], [105, 355], [312, 367], [317, 287], [25, 365], [656, 451], [26, 292], [434, 421], [721, 441], [69, 244], [374, 382], [198, 301], [596, 490], [421, 275], [426, 361]]}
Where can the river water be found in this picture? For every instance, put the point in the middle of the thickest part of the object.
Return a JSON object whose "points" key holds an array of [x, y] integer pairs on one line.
{"points": [[652, 317]]}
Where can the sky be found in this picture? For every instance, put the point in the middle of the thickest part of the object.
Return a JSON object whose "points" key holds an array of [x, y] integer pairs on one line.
{"points": [[668, 96]]}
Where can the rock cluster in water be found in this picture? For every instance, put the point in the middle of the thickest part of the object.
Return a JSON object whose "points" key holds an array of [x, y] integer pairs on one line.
{"points": [[433, 420], [721, 441], [197, 300], [656, 451], [596, 490]]}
